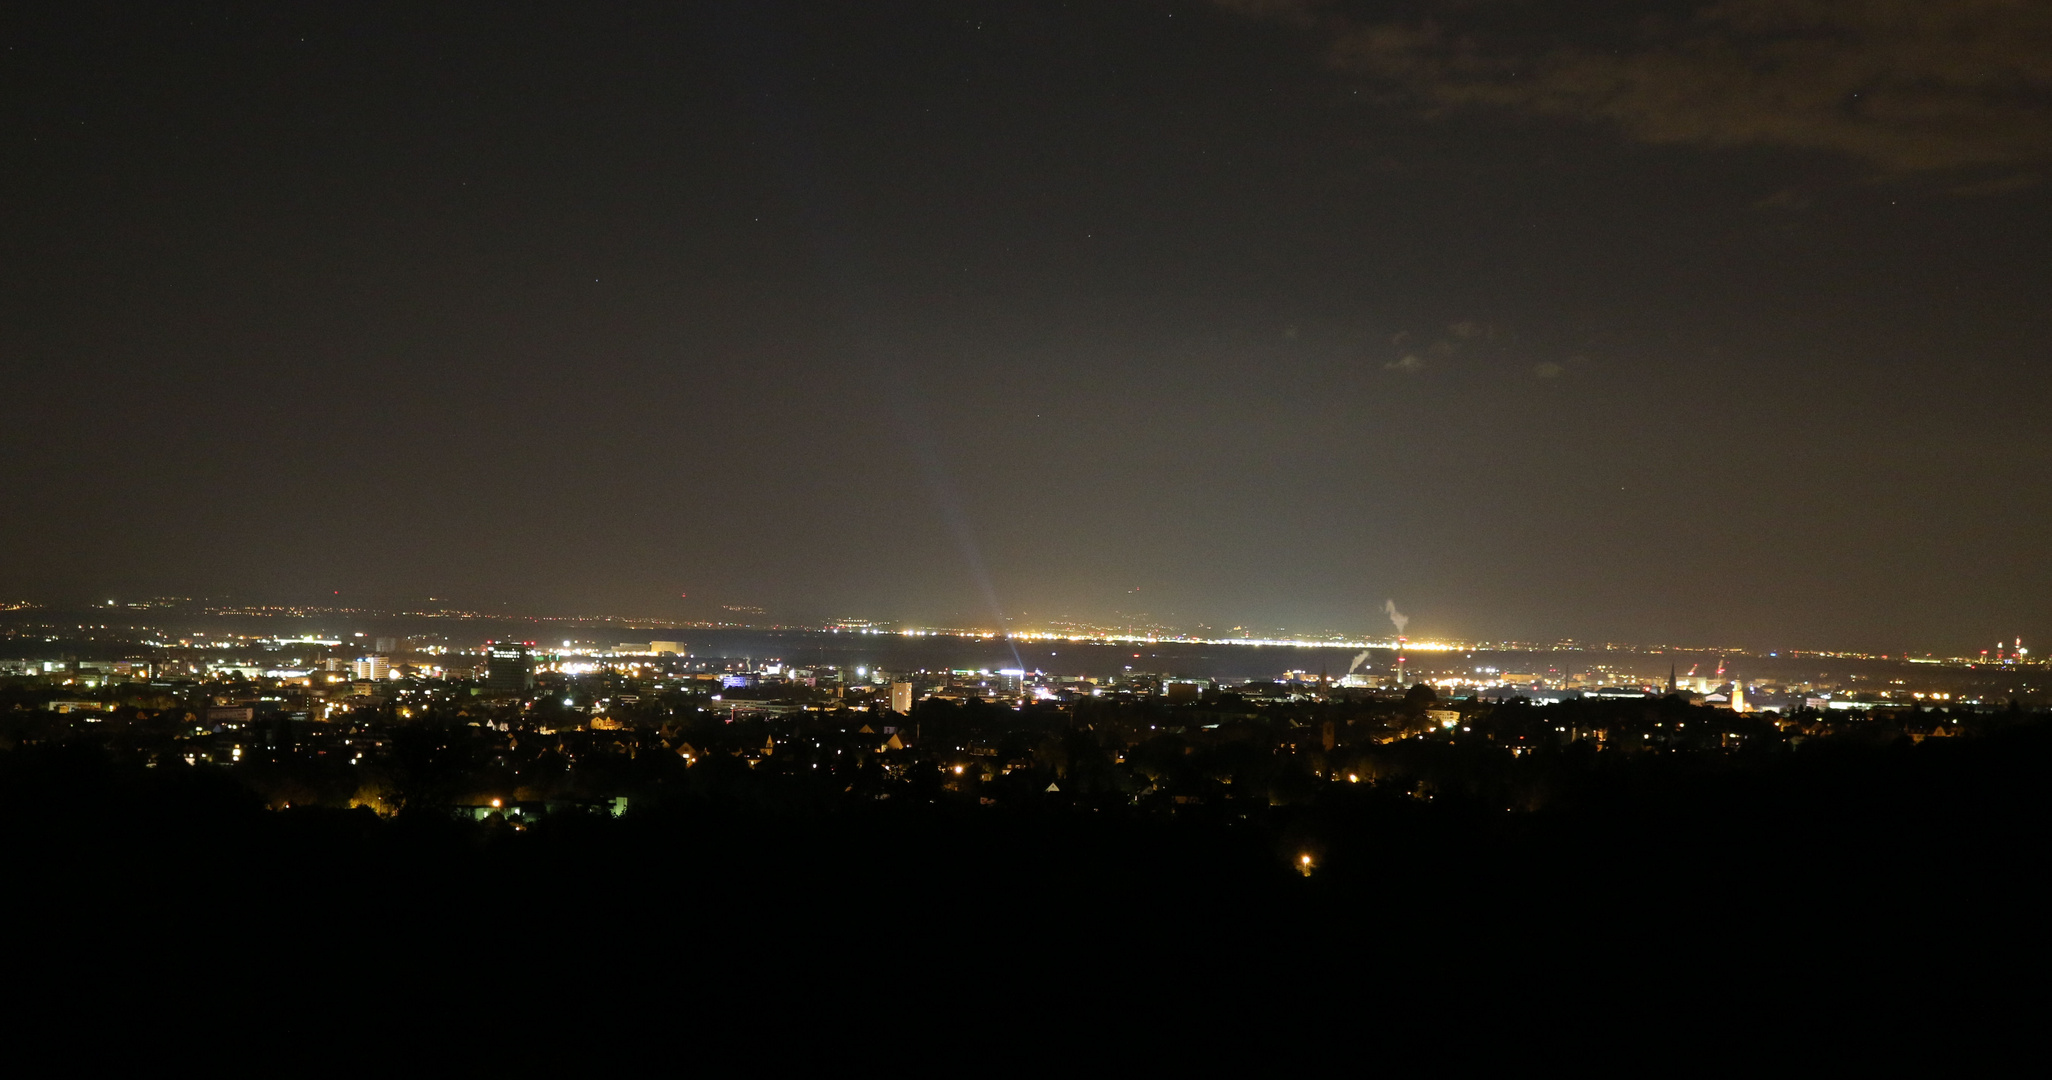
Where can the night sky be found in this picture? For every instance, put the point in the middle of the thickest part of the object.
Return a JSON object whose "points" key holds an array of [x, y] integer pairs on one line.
{"points": [[1696, 322]]}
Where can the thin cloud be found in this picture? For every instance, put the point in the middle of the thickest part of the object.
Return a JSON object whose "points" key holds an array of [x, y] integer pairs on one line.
{"points": [[1903, 85], [1409, 365], [2001, 185]]}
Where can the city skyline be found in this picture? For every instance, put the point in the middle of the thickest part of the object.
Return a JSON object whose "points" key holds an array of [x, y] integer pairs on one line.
{"points": [[997, 523], [174, 608]]}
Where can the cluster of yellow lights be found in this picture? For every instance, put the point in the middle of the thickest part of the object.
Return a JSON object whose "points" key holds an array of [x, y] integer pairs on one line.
{"points": [[1074, 637]]}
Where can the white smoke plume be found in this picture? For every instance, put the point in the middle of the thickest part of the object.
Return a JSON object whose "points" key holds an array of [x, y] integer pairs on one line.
{"points": [[1397, 617], [1359, 659]]}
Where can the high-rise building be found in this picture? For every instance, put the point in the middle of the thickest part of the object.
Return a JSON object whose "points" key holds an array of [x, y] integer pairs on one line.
{"points": [[901, 698], [373, 667], [386, 645], [510, 666]]}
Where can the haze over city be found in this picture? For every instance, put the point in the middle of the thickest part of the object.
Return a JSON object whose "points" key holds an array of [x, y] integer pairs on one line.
{"points": [[1222, 314]]}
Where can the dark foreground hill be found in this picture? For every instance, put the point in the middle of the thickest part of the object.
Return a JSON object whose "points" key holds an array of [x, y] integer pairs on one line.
{"points": [[1683, 870]]}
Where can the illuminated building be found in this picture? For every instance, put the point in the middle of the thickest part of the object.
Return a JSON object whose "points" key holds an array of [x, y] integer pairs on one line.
{"points": [[510, 666], [901, 698], [373, 667]]}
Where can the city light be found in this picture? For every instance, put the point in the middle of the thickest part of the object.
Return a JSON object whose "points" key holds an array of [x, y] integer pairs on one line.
{"points": [[976, 478]]}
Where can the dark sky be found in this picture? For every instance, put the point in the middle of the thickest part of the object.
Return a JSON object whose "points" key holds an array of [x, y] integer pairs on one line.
{"points": [[1698, 322]]}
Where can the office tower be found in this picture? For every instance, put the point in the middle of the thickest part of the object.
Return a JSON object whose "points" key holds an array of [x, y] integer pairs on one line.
{"points": [[510, 666]]}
